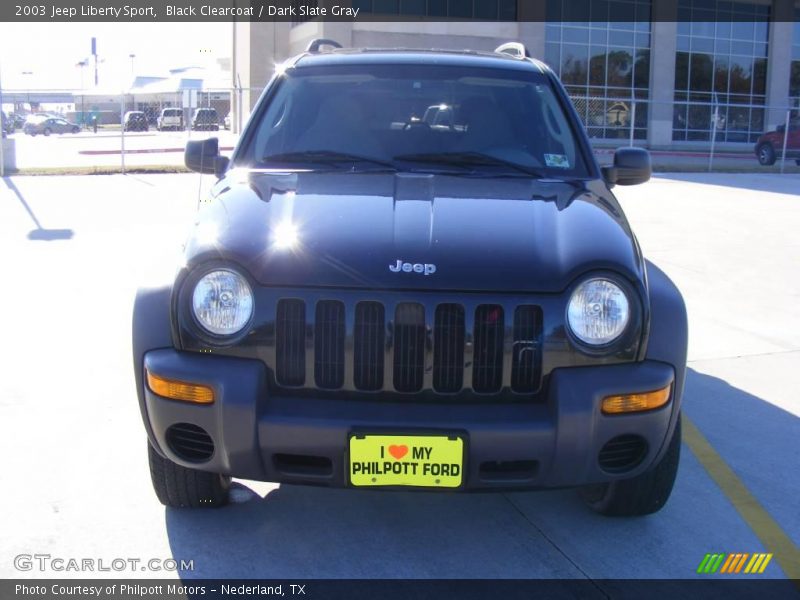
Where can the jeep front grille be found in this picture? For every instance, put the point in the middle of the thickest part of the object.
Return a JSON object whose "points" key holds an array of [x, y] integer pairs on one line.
{"points": [[448, 348], [369, 334], [487, 370], [329, 345], [525, 363], [406, 347], [290, 339], [409, 347]]}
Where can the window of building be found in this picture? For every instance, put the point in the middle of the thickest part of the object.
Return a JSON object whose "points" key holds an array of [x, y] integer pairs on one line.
{"points": [[720, 70], [601, 51], [483, 10], [794, 77]]}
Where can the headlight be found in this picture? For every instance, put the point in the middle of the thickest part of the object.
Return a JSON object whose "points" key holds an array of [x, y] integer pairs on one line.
{"points": [[598, 312], [222, 302]]}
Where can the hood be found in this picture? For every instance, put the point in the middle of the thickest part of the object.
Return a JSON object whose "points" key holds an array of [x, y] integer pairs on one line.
{"points": [[414, 231]]}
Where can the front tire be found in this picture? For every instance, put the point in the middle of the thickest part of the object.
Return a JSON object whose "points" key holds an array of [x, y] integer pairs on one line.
{"points": [[179, 487], [766, 154], [642, 495]]}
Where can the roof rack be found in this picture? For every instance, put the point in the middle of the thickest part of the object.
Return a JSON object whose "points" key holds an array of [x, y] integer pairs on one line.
{"points": [[315, 45], [515, 49]]}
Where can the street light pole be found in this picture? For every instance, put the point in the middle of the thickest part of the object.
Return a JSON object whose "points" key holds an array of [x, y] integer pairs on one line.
{"points": [[83, 64], [133, 81]]}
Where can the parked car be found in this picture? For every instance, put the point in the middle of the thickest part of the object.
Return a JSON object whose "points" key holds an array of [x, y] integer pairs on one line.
{"points": [[362, 305], [769, 147], [170, 118], [205, 119], [19, 120], [7, 125], [47, 125], [135, 120]]}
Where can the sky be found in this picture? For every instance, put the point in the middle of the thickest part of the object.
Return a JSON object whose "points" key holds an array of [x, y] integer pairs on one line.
{"points": [[50, 51]]}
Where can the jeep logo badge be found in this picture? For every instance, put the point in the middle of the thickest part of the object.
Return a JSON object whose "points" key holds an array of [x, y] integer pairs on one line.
{"points": [[406, 267]]}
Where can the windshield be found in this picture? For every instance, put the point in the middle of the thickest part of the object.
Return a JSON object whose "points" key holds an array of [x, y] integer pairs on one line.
{"points": [[453, 119]]}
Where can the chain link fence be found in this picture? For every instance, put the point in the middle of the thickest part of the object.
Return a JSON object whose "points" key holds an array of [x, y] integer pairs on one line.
{"points": [[62, 129], [52, 130]]}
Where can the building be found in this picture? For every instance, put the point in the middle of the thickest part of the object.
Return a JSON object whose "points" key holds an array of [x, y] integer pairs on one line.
{"points": [[667, 72]]}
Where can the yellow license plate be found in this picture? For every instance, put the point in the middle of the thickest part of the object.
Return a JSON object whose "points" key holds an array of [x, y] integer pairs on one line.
{"points": [[412, 460]]}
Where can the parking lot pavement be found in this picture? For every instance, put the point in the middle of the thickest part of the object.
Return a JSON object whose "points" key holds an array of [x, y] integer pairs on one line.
{"points": [[76, 480]]}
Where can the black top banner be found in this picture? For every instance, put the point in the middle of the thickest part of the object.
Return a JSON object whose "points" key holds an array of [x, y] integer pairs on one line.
{"points": [[299, 11]]}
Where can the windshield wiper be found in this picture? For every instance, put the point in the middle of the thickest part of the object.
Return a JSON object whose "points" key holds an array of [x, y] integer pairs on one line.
{"points": [[327, 158], [469, 159]]}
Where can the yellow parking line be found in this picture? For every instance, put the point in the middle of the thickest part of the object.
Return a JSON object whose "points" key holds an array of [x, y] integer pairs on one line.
{"points": [[758, 519]]}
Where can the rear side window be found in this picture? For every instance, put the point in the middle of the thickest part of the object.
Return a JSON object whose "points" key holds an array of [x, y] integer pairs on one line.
{"points": [[387, 112]]}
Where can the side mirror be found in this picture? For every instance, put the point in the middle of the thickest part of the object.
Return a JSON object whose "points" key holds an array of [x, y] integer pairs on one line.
{"points": [[202, 156], [631, 167]]}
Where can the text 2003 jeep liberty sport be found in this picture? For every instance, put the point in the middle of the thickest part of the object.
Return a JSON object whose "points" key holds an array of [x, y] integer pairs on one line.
{"points": [[411, 273]]}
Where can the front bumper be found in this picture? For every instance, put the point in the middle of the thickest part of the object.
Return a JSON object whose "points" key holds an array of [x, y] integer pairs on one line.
{"points": [[304, 439]]}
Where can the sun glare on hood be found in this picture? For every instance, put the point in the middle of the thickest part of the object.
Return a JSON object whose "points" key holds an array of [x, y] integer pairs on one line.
{"points": [[284, 236]]}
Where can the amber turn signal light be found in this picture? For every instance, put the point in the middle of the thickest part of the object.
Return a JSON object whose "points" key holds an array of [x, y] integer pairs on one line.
{"points": [[628, 403], [180, 390]]}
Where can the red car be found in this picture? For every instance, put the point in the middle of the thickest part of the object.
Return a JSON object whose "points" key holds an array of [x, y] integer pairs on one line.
{"points": [[769, 146]]}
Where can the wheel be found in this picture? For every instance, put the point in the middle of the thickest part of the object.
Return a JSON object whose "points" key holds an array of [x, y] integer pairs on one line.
{"points": [[642, 495], [47, 131], [75, 130], [179, 487], [766, 154]]}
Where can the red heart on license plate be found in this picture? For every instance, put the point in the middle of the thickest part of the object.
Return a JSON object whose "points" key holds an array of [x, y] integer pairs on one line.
{"points": [[398, 451]]}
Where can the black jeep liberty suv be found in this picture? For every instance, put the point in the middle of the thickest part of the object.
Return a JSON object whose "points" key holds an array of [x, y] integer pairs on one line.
{"points": [[412, 274]]}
